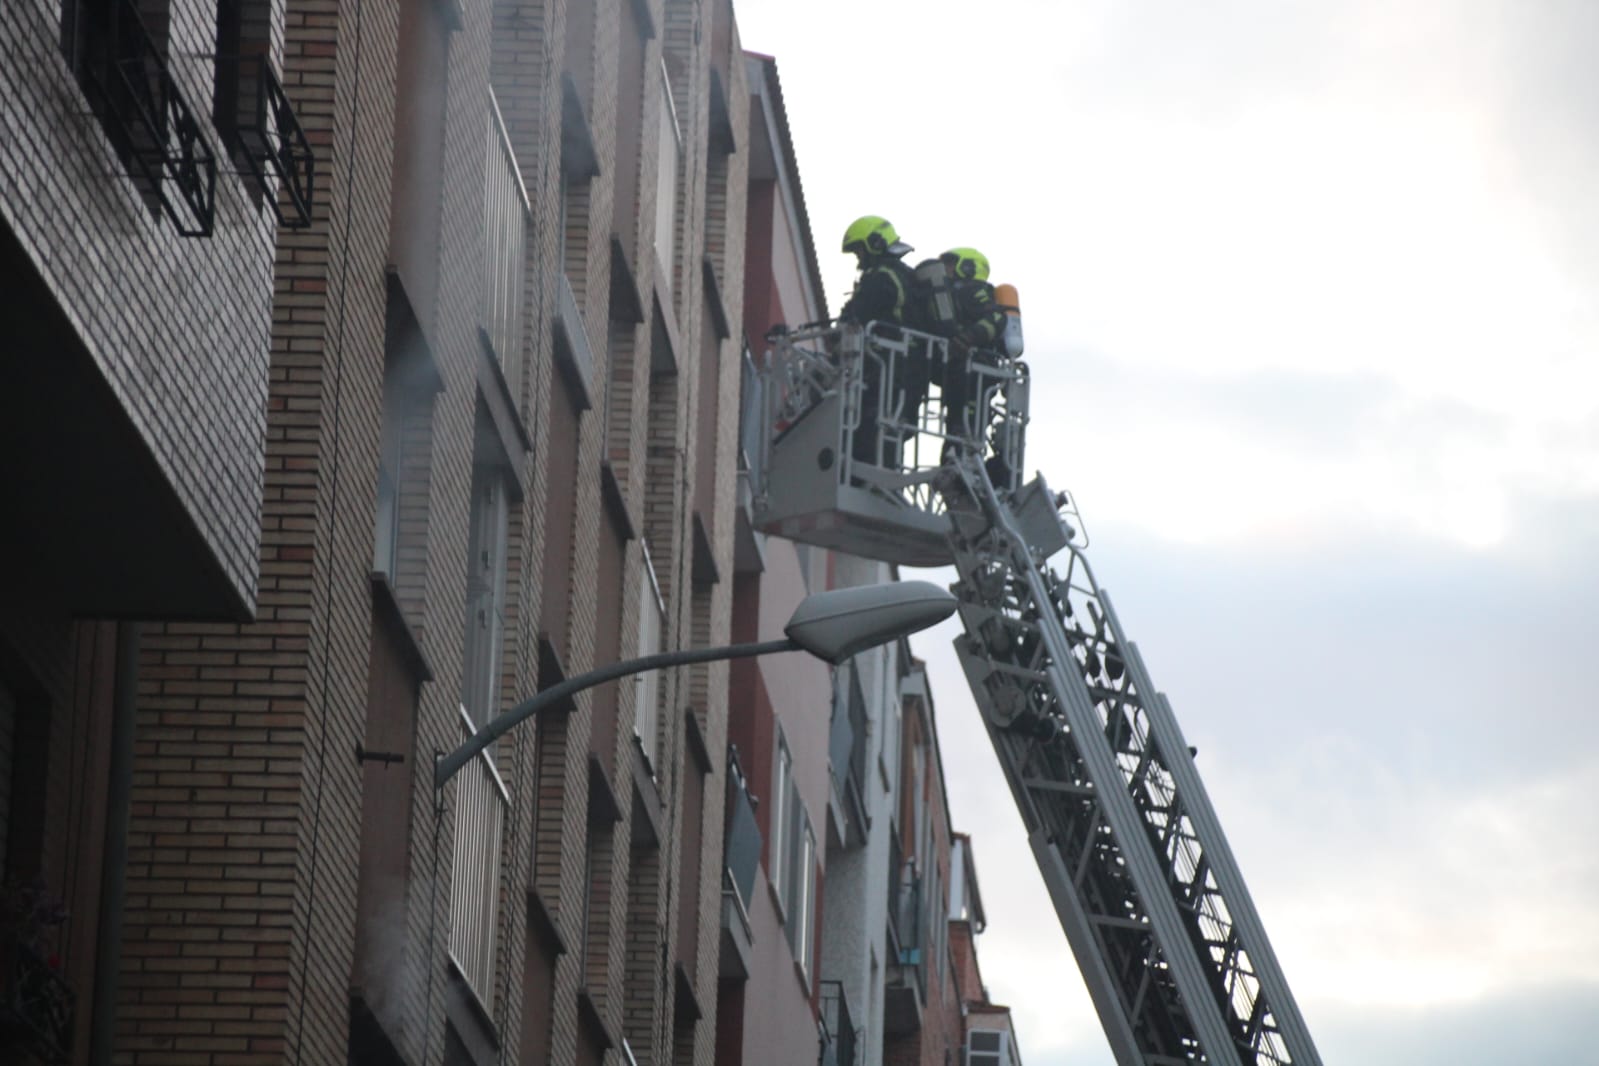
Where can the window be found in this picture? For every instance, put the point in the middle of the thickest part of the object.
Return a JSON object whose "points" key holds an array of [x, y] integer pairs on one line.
{"points": [[485, 592], [559, 501], [782, 786], [802, 888], [792, 862], [118, 49], [410, 382], [631, 73], [244, 41], [671, 144], [386, 538], [421, 64], [647, 685], [505, 221], [988, 1047]]}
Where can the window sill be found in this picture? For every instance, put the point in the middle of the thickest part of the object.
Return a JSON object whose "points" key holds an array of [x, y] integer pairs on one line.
{"points": [[471, 1019], [541, 922], [387, 604], [686, 1005], [515, 440], [647, 808], [588, 1013], [627, 306], [604, 809]]}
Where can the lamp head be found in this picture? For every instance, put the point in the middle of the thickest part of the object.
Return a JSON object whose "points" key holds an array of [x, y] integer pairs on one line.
{"points": [[840, 623]]}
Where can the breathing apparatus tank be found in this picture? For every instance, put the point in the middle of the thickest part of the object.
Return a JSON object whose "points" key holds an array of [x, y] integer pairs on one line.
{"points": [[936, 298], [1005, 298]]}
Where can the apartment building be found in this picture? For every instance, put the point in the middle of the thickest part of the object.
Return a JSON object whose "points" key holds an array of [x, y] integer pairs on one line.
{"points": [[375, 366], [989, 1035], [138, 210], [836, 945], [937, 1009], [463, 427], [777, 731]]}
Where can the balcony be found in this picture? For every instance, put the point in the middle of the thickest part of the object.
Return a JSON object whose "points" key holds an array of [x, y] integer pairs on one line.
{"points": [[36, 1008], [151, 125], [847, 743], [742, 856], [506, 214], [905, 991], [838, 1027], [748, 545], [481, 802], [270, 140]]}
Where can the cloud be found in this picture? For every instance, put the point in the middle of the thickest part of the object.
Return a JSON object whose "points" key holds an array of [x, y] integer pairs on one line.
{"points": [[1285, 457], [1537, 1022], [1387, 732], [1311, 294]]}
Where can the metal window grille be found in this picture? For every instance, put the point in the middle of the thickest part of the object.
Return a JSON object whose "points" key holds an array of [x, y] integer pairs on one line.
{"points": [[671, 144], [481, 801], [505, 220]]}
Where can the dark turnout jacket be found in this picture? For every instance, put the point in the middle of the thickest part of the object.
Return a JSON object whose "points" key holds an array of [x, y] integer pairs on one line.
{"points": [[882, 292]]}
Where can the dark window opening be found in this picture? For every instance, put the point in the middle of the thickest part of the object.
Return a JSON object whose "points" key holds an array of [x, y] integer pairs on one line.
{"points": [[244, 45]]}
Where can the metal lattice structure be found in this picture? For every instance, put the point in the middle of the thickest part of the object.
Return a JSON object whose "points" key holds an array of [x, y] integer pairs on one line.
{"points": [[1153, 904], [1150, 896]]}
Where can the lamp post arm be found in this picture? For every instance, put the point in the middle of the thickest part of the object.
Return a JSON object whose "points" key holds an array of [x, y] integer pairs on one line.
{"points": [[446, 766]]}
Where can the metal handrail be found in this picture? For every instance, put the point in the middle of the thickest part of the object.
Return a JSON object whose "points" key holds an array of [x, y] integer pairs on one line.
{"points": [[151, 123], [838, 1023], [506, 216], [481, 804]]}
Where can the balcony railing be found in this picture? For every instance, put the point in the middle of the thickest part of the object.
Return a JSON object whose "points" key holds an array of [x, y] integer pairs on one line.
{"points": [[907, 905], [847, 753], [838, 1025], [481, 801], [749, 411], [36, 1007], [154, 129], [275, 146], [896, 863], [505, 221], [741, 851], [743, 842]]}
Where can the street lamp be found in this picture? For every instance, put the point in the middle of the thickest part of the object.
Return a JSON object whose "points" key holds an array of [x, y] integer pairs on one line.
{"points": [[832, 626]]}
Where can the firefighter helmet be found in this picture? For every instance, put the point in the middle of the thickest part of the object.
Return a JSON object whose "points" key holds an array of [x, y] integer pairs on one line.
{"points": [[873, 235], [966, 263]]}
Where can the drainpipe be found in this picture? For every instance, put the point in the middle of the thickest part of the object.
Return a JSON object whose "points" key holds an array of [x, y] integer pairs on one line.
{"points": [[114, 871]]}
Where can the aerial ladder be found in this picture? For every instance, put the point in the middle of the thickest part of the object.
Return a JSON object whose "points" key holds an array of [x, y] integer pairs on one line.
{"points": [[852, 452]]}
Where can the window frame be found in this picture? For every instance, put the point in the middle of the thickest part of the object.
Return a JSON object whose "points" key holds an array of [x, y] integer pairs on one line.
{"points": [[666, 182], [647, 683], [485, 592], [777, 859]]}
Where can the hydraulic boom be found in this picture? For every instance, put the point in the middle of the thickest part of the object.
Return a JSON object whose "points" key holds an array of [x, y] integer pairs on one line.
{"points": [[1153, 904]]}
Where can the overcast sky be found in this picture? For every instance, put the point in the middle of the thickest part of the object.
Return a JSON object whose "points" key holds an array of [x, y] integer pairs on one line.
{"points": [[1311, 295]]}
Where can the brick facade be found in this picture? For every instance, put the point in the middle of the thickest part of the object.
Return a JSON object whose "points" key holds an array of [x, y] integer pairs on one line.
{"points": [[249, 803], [344, 432]]}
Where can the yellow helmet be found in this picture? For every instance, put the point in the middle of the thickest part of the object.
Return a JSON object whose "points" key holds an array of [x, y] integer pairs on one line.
{"points": [[873, 235], [966, 263]]}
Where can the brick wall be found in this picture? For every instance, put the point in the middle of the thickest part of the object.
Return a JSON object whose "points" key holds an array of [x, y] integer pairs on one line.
{"points": [[177, 326], [247, 812], [246, 815]]}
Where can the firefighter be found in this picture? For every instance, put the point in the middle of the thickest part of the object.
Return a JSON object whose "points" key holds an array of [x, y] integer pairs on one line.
{"points": [[979, 324], [883, 289], [883, 293]]}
